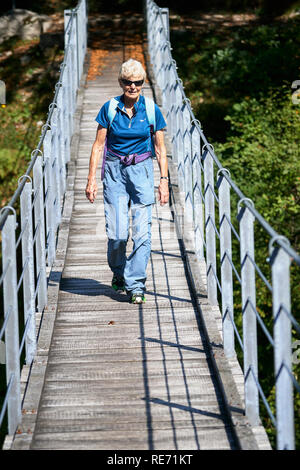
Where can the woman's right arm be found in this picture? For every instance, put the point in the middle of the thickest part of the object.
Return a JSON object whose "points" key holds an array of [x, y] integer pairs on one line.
{"points": [[97, 150]]}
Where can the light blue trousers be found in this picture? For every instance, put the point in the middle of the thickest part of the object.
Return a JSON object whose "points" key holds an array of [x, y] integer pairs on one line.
{"points": [[128, 188]]}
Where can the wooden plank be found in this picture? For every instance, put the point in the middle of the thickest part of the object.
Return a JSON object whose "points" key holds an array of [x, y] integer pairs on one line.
{"points": [[159, 439], [70, 344], [132, 355], [127, 317]]}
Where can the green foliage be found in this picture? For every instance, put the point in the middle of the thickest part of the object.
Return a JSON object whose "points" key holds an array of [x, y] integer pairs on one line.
{"points": [[228, 64], [249, 62], [27, 101], [7, 164], [262, 151], [19, 137]]}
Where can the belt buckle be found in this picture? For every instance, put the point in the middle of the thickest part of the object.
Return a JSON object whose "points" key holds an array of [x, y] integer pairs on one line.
{"points": [[133, 159], [126, 159]]}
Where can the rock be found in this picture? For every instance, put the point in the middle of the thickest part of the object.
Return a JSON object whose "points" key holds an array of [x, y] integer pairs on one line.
{"points": [[24, 24], [6, 54]]}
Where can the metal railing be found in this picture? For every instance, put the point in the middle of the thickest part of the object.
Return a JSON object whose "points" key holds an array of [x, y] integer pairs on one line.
{"points": [[204, 185], [29, 247]]}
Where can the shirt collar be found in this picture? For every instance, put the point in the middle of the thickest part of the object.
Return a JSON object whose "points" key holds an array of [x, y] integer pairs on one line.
{"points": [[136, 105]]}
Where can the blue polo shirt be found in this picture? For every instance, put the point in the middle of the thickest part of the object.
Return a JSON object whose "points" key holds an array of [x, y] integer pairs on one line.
{"points": [[129, 135]]}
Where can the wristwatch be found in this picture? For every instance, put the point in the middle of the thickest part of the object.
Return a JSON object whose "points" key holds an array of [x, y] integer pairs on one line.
{"points": [[164, 178]]}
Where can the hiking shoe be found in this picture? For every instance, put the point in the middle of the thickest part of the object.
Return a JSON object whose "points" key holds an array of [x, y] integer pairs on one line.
{"points": [[137, 298], [118, 283]]}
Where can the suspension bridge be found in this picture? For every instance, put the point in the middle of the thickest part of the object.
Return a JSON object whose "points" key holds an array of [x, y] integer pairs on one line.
{"points": [[99, 373]]}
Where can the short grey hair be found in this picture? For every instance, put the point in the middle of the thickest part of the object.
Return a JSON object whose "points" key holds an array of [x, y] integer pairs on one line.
{"points": [[132, 68]]}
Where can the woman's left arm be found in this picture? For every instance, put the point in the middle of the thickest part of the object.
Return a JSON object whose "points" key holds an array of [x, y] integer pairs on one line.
{"points": [[161, 154]]}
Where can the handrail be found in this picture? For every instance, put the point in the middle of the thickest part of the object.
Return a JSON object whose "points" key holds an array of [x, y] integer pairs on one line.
{"points": [[40, 192], [196, 163]]}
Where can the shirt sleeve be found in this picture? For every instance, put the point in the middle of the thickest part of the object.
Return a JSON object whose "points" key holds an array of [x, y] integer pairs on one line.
{"points": [[160, 121], [102, 116]]}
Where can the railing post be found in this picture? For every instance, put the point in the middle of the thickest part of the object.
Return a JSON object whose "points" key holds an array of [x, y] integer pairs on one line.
{"points": [[28, 279], [56, 165], [246, 220], [149, 28], [77, 34], [160, 55], [165, 17], [156, 36], [210, 227], [62, 138], [197, 193], [188, 175], [179, 147], [67, 19], [165, 74], [49, 199], [65, 102], [39, 226], [172, 120], [12, 340], [71, 31], [70, 74], [280, 263], [226, 269]]}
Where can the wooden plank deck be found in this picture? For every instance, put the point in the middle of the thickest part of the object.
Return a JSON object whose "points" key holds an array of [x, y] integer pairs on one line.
{"points": [[121, 376]]}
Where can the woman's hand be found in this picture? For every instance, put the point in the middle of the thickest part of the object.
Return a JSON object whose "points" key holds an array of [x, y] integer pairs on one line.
{"points": [[91, 189], [97, 150], [161, 155], [163, 192]]}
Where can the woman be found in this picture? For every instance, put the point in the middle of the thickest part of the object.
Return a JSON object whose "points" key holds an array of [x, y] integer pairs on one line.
{"points": [[128, 178]]}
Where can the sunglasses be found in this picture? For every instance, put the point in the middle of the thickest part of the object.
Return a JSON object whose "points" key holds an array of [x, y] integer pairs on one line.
{"points": [[129, 82]]}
